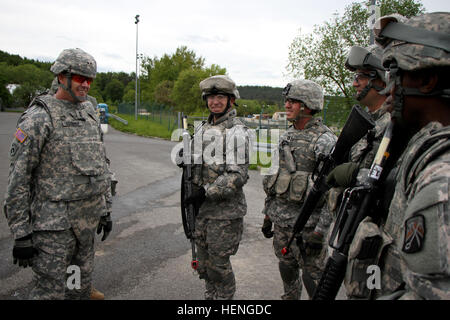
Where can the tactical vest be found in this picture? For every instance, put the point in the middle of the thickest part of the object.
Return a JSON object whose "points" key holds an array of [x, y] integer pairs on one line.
{"points": [[73, 160], [213, 145], [364, 150], [293, 185], [389, 256]]}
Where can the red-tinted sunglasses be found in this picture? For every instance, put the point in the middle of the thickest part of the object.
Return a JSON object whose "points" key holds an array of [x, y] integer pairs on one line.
{"points": [[81, 79]]}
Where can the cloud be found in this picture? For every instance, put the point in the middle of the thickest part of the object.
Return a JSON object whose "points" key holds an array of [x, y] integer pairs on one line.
{"points": [[249, 38], [202, 39]]}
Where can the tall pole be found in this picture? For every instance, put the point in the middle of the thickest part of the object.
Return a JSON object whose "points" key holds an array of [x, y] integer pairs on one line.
{"points": [[137, 59], [374, 15]]}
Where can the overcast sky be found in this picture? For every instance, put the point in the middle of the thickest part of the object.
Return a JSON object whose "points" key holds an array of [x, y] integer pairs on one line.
{"points": [[250, 38]]}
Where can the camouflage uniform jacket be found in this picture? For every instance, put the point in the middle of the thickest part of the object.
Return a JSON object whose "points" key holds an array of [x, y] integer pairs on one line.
{"points": [[224, 150], [57, 154], [419, 219], [286, 191], [363, 152]]}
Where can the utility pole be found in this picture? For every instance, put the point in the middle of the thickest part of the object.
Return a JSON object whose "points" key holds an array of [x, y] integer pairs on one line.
{"points": [[137, 59], [374, 14]]}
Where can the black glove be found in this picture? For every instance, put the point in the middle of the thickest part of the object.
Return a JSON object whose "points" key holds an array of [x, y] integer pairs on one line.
{"points": [[267, 228], [23, 251], [105, 225], [197, 198], [313, 243], [343, 175]]}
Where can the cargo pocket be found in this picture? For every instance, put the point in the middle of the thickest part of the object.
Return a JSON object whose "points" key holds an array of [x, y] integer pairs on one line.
{"points": [[299, 185], [268, 183], [88, 158], [364, 252], [282, 183]]}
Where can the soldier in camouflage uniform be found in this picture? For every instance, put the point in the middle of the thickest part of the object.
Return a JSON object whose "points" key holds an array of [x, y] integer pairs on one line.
{"points": [[369, 82], [58, 181], [414, 256], [95, 294], [300, 148], [55, 85], [219, 174], [417, 54]]}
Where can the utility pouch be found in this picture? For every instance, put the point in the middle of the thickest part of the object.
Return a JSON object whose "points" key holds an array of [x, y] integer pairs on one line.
{"points": [[283, 180], [268, 183], [299, 185], [364, 251]]}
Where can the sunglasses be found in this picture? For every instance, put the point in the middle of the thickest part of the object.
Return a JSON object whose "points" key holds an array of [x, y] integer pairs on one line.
{"points": [[360, 75], [81, 79]]}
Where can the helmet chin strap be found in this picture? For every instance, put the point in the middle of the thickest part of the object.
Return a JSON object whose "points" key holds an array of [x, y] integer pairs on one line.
{"points": [[69, 89], [401, 92], [224, 112], [301, 115], [366, 90]]}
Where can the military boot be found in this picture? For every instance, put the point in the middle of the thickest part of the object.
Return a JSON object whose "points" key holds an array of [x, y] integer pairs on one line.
{"points": [[96, 295]]}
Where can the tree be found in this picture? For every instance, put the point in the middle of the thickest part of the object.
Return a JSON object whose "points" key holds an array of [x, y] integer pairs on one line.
{"points": [[114, 90], [320, 56], [167, 68], [186, 93], [101, 91], [32, 81], [5, 96], [163, 92]]}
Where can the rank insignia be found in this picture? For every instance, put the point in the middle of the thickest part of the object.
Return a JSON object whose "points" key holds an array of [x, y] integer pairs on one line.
{"points": [[414, 234], [20, 135]]}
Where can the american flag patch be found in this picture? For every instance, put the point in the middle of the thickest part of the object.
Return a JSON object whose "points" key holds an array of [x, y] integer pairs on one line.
{"points": [[20, 135]]}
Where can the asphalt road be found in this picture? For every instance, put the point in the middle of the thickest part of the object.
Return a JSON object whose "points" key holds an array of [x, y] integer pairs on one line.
{"points": [[147, 255]]}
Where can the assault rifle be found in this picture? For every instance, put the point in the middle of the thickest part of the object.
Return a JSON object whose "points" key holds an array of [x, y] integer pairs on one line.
{"points": [[188, 210], [357, 125], [356, 204]]}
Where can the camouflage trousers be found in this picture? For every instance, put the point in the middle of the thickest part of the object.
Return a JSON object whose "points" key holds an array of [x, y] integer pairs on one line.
{"points": [[64, 265], [216, 241], [291, 263]]}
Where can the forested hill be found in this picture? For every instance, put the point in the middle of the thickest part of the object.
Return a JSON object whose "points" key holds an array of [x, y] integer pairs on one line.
{"points": [[270, 95], [16, 60]]}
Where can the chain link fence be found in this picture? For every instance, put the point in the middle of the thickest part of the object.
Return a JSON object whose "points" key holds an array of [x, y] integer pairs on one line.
{"points": [[157, 113], [334, 115]]}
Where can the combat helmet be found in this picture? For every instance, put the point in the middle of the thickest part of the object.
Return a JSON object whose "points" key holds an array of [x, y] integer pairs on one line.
{"points": [[75, 61], [54, 86], [306, 91], [219, 84], [418, 43], [367, 59]]}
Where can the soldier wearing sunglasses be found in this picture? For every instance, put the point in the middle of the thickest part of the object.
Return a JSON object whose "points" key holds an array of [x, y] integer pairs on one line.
{"points": [[370, 83], [59, 181]]}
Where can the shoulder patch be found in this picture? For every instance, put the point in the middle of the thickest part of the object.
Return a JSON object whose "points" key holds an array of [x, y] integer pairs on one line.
{"points": [[414, 234], [20, 135]]}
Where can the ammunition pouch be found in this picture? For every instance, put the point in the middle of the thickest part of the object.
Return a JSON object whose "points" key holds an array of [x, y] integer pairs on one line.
{"points": [[282, 183], [268, 184], [364, 251], [299, 185]]}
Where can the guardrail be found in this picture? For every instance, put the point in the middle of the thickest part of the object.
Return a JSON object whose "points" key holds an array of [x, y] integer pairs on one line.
{"points": [[264, 147], [125, 122]]}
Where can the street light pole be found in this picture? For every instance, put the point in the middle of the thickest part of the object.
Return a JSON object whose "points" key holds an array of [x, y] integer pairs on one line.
{"points": [[137, 59], [373, 17]]}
